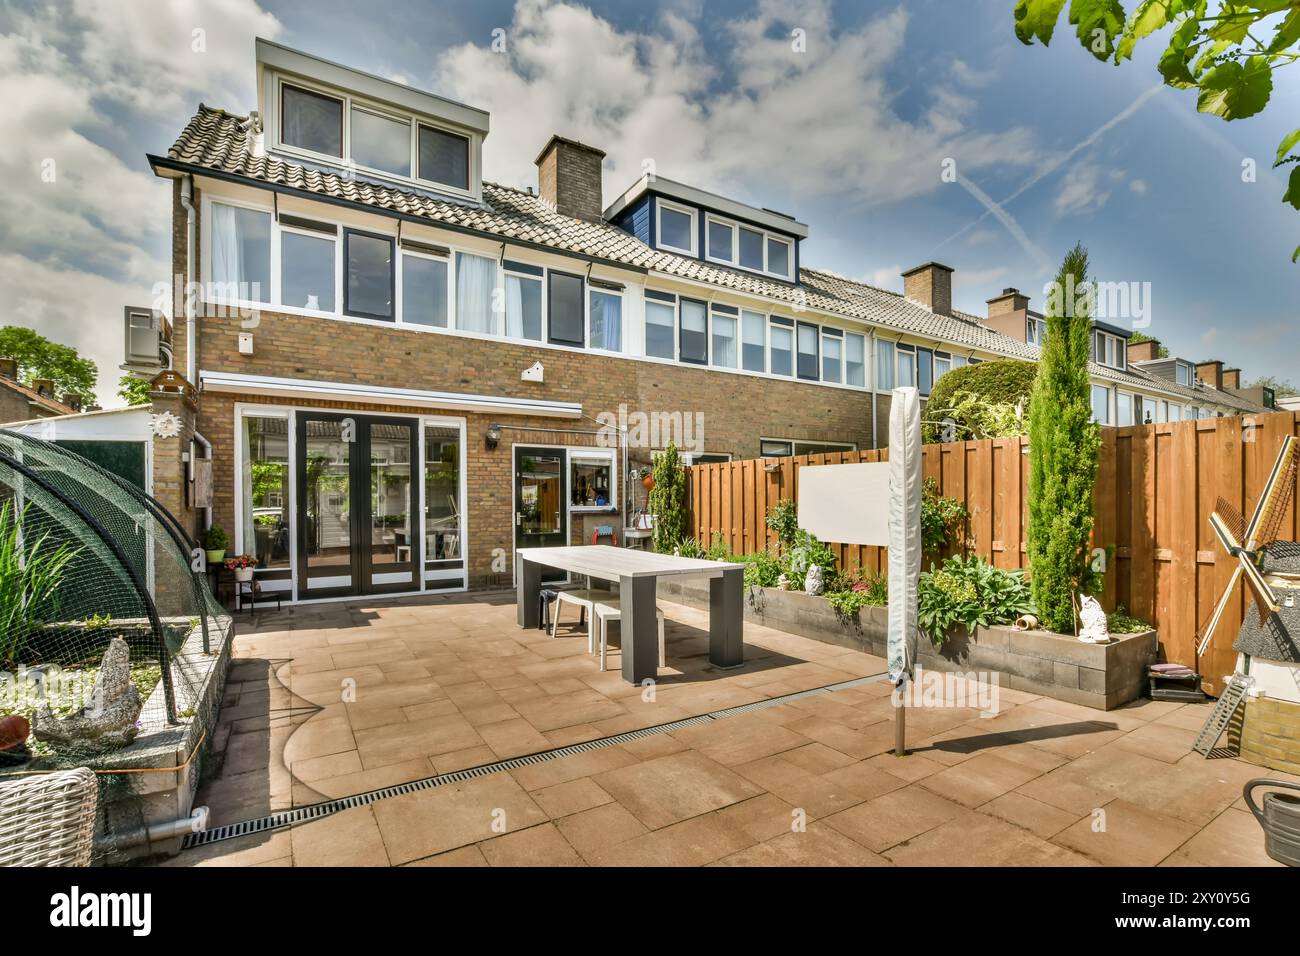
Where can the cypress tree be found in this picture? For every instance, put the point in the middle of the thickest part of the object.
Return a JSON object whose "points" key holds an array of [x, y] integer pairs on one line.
{"points": [[1064, 443]]}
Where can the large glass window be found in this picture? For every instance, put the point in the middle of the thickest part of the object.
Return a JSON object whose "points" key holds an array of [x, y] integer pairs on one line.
{"points": [[942, 365], [782, 346], [241, 254], [523, 301], [751, 249], [606, 321], [694, 332], [676, 229], [368, 261], [906, 376], [1101, 404], [265, 505], [476, 283], [855, 359], [660, 322], [424, 291], [565, 310], [885, 362], [442, 524], [807, 342], [924, 371], [753, 341], [720, 236], [832, 357], [591, 481], [311, 121], [381, 142], [307, 271], [778, 257], [724, 340], [444, 157], [1123, 409]]}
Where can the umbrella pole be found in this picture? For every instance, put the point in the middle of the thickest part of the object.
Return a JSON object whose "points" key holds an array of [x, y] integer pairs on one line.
{"points": [[900, 723]]}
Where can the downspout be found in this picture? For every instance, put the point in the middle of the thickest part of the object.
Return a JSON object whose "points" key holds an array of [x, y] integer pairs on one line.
{"points": [[187, 200], [875, 384]]}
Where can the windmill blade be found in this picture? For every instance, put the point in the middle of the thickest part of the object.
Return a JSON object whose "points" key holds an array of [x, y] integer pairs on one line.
{"points": [[1272, 502], [1265, 602], [1213, 624], [1223, 530]]}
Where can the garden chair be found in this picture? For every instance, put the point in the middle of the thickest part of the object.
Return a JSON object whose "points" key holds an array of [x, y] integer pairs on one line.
{"points": [[48, 819], [612, 612]]}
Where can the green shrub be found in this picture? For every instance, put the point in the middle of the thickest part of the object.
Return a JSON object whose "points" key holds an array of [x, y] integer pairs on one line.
{"points": [[876, 588], [847, 604], [1122, 623], [970, 592], [1000, 385], [30, 574], [688, 547], [667, 501], [215, 538], [941, 518], [718, 549], [803, 554], [762, 569], [1063, 445], [783, 519]]}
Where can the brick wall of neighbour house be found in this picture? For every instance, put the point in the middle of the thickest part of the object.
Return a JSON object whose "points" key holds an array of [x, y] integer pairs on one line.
{"points": [[14, 406], [737, 410]]}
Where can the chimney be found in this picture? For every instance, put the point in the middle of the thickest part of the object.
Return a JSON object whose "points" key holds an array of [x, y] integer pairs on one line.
{"points": [[1231, 378], [569, 178], [930, 285], [1210, 373], [1144, 351], [8, 368], [1009, 314], [43, 387], [72, 400]]}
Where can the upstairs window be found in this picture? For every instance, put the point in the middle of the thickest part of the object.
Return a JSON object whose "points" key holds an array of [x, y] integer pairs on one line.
{"points": [[369, 290], [832, 355], [1183, 374], [751, 249], [240, 254], [381, 142], [942, 365], [807, 342], [721, 236], [1101, 404], [694, 332], [906, 366], [564, 306], [855, 360], [753, 341], [307, 268], [660, 326], [523, 288], [1124, 409], [885, 362], [925, 370], [444, 157], [424, 290], [676, 227], [782, 346], [1035, 330], [724, 338], [310, 120], [1108, 349], [606, 321], [476, 281], [778, 257]]}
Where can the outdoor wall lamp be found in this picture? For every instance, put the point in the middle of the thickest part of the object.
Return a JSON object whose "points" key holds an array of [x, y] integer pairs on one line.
{"points": [[493, 436]]}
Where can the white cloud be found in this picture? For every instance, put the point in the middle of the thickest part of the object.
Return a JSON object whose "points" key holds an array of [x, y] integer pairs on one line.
{"points": [[889, 278], [94, 236], [750, 116], [1138, 186], [1085, 188]]}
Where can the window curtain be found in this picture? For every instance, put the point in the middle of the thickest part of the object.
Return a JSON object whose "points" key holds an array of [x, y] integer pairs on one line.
{"points": [[606, 322], [246, 478], [476, 279], [227, 264]]}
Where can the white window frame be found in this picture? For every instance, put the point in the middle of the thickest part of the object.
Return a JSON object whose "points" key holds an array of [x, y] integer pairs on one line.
{"points": [[735, 225], [605, 456], [735, 339], [449, 262], [660, 205], [821, 357], [502, 271], [792, 442], [586, 321], [413, 120], [645, 348], [765, 319], [278, 230], [709, 220], [1110, 403], [907, 349], [790, 330]]}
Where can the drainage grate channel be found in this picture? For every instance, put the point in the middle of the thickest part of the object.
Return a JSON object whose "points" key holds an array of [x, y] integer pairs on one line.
{"points": [[285, 818]]}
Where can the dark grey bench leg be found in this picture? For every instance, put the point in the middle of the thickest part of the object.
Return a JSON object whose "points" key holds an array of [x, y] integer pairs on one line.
{"points": [[528, 582], [727, 619], [638, 629]]}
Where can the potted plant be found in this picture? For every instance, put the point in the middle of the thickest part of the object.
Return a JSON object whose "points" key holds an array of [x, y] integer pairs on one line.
{"points": [[215, 542], [646, 477], [242, 565]]}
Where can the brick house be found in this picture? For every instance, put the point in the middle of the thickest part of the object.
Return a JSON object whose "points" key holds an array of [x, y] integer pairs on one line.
{"points": [[19, 402], [402, 372]]}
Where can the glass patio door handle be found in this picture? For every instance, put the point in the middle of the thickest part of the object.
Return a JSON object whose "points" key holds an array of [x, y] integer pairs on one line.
{"points": [[519, 518]]}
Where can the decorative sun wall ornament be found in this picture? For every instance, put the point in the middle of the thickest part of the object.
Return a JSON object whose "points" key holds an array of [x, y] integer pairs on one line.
{"points": [[165, 425]]}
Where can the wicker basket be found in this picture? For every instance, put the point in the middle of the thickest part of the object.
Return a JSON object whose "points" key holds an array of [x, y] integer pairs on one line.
{"points": [[48, 819]]}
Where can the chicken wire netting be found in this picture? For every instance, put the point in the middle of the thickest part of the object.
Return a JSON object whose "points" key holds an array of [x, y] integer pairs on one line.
{"points": [[111, 644]]}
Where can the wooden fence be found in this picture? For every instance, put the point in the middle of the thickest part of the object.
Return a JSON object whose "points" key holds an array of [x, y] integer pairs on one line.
{"points": [[1156, 487]]}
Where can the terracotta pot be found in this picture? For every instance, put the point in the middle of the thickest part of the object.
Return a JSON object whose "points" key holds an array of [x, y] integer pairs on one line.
{"points": [[14, 731], [648, 481]]}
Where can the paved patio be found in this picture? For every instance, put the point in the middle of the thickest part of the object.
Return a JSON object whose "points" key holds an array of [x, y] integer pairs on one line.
{"points": [[331, 700]]}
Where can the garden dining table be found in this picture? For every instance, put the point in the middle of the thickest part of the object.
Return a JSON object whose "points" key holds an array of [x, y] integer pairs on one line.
{"points": [[637, 574]]}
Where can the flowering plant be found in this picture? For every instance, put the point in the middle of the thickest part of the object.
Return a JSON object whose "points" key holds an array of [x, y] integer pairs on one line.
{"points": [[241, 561]]}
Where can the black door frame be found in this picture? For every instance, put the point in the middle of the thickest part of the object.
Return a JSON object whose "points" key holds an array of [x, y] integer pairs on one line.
{"points": [[360, 564], [548, 574]]}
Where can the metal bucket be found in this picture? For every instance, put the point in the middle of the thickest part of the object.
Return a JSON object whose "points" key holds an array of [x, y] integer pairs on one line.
{"points": [[1280, 819]]}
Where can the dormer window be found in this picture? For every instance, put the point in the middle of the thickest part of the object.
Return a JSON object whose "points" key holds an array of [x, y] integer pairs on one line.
{"points": [[736, 244], [676, 228], [1183, 373], [722, 239], [320, 112], [1108, 349]]}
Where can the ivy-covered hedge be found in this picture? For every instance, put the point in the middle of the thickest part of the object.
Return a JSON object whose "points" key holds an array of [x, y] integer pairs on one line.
{"points": [[1004, 382]]}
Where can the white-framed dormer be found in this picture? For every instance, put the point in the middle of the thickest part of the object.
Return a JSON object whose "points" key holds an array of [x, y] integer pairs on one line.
{"points": [[322, 113], [675, 210]]}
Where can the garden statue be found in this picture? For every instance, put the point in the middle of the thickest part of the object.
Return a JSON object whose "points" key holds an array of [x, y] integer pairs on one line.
{"points": [[107, 720], [1093, 628], [813, 581], [783, 582]]}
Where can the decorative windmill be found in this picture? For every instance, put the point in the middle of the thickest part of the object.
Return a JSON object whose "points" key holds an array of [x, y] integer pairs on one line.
{"points": [[1272, 572]]}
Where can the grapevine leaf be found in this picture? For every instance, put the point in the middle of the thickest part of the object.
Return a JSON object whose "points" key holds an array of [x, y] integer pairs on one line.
{"points": [[1037, 18], [1284, 147], [1149, 17], [1098, 23], [1232, 91], [1292, 194]]}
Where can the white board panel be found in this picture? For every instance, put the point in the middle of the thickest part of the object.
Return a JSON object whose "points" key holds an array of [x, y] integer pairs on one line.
{"points": [[846, 504]]}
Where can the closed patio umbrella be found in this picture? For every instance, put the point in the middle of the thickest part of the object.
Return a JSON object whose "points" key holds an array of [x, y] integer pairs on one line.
{"points": [[904, 542]]}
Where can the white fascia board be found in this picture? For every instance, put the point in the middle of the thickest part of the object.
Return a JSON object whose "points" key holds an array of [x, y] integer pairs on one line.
{"points": [[417, 398]]}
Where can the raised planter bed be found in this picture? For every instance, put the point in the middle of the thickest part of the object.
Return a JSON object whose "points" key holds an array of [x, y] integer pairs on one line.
{"points": [[1104, 676]]}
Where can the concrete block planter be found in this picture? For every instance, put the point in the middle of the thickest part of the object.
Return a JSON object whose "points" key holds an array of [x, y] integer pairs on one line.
{"points": [[1104, 676]]}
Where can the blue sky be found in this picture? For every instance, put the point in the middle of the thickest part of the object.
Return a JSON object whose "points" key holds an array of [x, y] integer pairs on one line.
{"points": [[849, 135]]}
